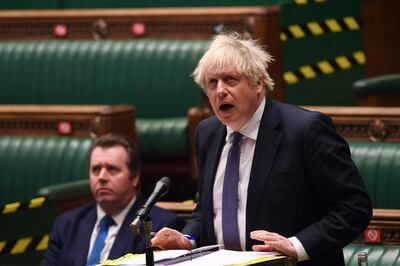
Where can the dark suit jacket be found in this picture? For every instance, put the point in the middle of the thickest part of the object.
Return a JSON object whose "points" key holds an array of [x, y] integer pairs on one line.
{"points": [[303, 183], [70, 238]]}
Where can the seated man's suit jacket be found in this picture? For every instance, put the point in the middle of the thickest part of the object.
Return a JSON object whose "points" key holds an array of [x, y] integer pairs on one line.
{"points": [[303, 183], [70, 238]]}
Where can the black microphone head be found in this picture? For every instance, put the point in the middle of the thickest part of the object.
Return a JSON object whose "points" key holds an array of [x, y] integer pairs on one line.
{"points": [[163, 185]]}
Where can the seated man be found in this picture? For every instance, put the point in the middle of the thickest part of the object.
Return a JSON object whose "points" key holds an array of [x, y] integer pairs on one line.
{"points": [[100, 230]]}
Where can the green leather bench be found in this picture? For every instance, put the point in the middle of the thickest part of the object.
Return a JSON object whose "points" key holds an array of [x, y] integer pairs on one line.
{"points": [[379, 165], [378, 91], [30, 163], [153, 75]]}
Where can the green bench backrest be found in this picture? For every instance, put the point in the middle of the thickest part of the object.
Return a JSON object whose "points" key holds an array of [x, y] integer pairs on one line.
{"points": [[153, 75], [379, 165], [30, 163]]}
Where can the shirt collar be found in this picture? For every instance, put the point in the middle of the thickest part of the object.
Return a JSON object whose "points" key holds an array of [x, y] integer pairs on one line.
{"points": [[250, 129], [118, 218]]}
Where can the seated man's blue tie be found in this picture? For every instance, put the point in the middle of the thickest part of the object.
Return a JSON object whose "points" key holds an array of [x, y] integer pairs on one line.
{"points": [[230, 198], [98, 246]]}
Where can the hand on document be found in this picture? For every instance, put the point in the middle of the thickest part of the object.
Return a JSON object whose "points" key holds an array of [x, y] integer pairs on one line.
{"points": [[273, 242], [168, 238]]}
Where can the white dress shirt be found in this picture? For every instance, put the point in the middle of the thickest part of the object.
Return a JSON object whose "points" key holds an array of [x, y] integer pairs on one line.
{"points": [[247, 147], [112, 230]]}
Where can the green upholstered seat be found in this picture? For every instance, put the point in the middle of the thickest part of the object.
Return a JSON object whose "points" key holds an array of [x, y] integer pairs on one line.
{"points": [[378, 255], [163, 136], [153, 75], [378, 85], [379, 165], [30, 163]]}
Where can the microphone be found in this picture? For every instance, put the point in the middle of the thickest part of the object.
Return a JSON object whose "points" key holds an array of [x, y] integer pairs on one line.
{"points": [[161, 188]]}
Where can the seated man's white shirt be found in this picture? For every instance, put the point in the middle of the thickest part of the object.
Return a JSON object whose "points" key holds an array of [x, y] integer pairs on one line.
{"points": [[112, 230]]}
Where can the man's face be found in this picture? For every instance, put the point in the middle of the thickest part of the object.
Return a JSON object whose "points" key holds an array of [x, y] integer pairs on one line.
{"points": [[232, 97], [110, 180]]}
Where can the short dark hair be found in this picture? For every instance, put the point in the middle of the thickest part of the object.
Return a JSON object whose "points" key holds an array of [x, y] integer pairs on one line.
{"points": [[112, 140]]}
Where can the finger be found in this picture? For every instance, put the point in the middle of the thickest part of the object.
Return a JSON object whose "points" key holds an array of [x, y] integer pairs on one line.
{"points": [[263, 236], [283, 245], [263, 248]]}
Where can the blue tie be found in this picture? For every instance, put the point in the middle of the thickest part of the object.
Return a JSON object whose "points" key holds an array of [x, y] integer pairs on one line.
{"points": [[98, 246], [230, 198]]}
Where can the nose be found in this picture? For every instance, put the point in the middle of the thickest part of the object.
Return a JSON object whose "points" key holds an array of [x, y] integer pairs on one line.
{"points": [[221, 89], [103, 175]]}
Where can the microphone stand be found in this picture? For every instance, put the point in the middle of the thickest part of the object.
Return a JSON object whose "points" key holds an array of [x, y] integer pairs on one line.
{"points": [[147, 225]]}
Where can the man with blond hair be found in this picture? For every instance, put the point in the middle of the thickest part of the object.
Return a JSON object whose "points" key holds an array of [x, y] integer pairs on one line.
{"points": [[273, 176]]}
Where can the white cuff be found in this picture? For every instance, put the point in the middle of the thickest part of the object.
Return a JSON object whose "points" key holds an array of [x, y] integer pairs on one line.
{"points": [[301, 252]]}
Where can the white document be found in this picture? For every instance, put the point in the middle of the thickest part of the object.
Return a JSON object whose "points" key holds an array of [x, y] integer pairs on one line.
{"points": [[226, 257], [205, 257]]}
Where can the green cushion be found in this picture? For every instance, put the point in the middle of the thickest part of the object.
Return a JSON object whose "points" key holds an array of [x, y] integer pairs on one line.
{"points": [[66, 191], [29, 163], [153, 75], [164, 136], [379, 165], [378, 255], [377, 85]]}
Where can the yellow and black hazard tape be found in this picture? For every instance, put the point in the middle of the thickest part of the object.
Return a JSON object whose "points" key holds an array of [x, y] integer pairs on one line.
{"points": [[17, 206], [305, 2], [22, 245], [324, 67], [316, 28]]}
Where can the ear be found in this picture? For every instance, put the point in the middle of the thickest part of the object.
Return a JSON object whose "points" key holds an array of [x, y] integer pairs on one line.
{"points": [[136, 179], [260, 86]]}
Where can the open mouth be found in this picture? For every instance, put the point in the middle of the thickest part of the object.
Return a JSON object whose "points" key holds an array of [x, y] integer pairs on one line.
{"points": [[225, 107]]}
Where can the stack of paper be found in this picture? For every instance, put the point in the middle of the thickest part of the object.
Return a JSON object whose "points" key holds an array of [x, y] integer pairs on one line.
{"points": [[198, 258]]}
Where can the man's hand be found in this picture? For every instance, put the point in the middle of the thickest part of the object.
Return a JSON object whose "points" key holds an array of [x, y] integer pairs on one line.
{"points": [[273, 242], [168, 238]]}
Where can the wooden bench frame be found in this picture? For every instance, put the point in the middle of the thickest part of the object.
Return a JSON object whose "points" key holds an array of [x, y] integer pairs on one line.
{"points": [[364, 123], [68, 120], [261, 22]]}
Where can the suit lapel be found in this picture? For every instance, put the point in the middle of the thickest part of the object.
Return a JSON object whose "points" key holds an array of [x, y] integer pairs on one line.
{"points": [[267, 145], [215, 144], [125, 241], [84, 235]]}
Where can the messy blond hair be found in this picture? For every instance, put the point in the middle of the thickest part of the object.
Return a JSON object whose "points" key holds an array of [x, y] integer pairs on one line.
{"points": [[245, 55]]}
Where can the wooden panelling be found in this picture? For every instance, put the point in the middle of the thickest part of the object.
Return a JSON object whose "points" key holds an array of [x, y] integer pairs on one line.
{"points": [[381, 36], [67, 120]]}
